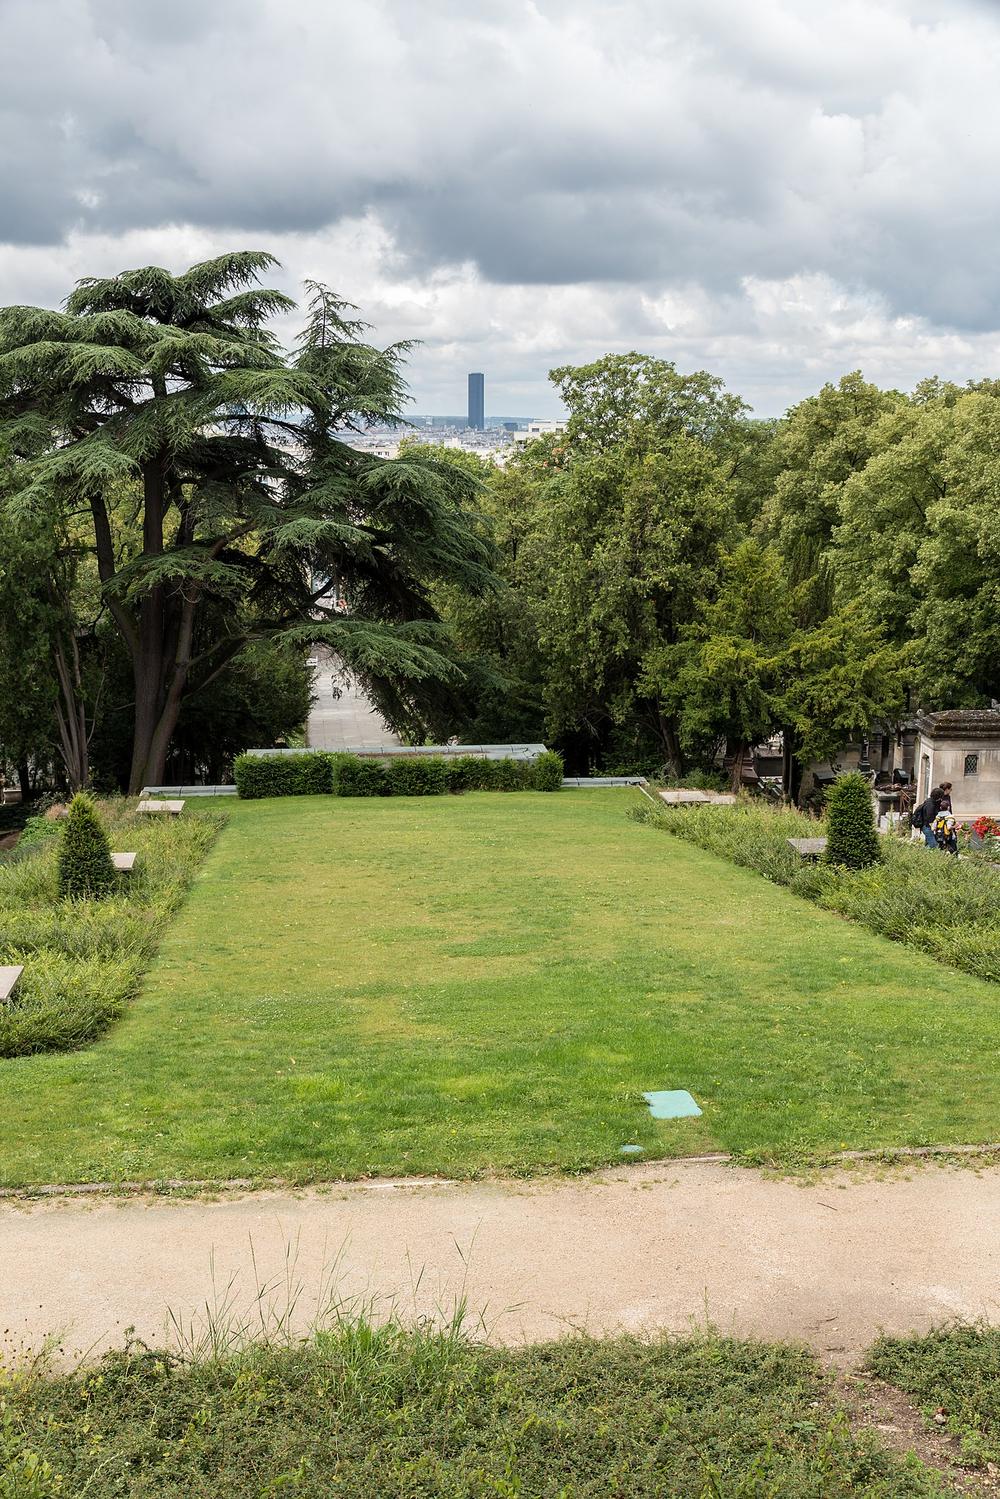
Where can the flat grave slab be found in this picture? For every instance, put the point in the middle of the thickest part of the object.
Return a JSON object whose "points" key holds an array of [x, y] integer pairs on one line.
{"points": [[808, 848], [124, 862], [9, 975], [682, 796], [172, 808], [673, 1103]]}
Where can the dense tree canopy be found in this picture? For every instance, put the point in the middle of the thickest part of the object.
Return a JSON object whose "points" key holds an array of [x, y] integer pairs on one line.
{"points": [[683, 581], [211, 464], [661, 585]]}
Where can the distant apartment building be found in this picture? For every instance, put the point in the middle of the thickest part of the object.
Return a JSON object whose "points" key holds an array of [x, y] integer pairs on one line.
{"points": [[477, 402], [532, 430]]}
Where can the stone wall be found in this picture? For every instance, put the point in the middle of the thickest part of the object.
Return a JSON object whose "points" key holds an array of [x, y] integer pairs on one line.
{"points": [[944, 759]]}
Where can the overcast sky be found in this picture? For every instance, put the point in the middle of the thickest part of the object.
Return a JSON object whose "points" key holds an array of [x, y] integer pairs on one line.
{"points": [[778, 191]]}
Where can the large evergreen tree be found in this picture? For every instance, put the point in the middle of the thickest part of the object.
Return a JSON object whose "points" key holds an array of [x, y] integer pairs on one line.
{"points": [[172, 393]]}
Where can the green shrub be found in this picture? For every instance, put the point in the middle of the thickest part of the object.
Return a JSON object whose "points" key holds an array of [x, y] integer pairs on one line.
{"points": [[85, 867], [418, 777], [955, 1369], [508, 775], [547, 772], [369, 1409], [851, 836], [318, 772], [309, 774], [467, 773], [359, 777]]}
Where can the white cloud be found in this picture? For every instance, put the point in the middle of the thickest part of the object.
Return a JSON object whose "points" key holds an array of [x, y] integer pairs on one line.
{"points": [[778, 192]]}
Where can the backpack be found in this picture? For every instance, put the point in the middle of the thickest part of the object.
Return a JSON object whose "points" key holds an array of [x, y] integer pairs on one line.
{"points": [[917, 818], [942, 832]]}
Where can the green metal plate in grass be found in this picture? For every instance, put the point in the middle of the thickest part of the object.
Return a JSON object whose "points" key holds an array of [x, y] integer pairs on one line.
{"points": [[673, 1104]]}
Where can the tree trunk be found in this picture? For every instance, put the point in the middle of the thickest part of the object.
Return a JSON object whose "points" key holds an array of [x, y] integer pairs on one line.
{"points": [[671, 745], [71, 718], [155, 725], [791, 768], [739, 760], [24, 780]]}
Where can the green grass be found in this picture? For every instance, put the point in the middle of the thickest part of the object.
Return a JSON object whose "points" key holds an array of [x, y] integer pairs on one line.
{"points": [[955, 1371], [947, 907], [363, 1411], [489, 983]]}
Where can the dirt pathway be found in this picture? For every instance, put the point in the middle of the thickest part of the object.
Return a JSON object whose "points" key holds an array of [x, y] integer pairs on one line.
{"points": [[665, 1245]]}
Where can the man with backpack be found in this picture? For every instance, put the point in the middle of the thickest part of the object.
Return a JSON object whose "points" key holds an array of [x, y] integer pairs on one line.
{"points": [[924, 816]]}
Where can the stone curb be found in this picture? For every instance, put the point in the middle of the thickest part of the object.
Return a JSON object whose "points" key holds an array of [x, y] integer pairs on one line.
{"points": [[887, 1154]]}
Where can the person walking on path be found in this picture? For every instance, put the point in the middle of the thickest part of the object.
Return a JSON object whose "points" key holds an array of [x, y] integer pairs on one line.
{"points": [[946, 805], [925, 815]]}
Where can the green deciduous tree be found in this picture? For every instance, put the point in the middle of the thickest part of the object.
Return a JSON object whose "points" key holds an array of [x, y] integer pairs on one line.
{"points": [[248, 504], [638, 400], [723, 679]]}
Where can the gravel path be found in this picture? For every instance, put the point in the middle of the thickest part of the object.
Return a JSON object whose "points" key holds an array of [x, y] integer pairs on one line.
{"points": [[832, 1262]]}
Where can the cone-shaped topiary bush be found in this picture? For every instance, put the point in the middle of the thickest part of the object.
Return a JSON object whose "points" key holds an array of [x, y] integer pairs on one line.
{"points": [[851, 835], [85, 867]]}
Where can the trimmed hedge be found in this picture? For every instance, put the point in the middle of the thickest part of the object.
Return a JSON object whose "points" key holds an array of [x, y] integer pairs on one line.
{"points": [[357, 777], [417, 777], [309, 774], [319, 773]]}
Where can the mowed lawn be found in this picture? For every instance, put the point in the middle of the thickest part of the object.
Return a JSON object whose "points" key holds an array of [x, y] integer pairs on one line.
{"points": [[488, 983]]}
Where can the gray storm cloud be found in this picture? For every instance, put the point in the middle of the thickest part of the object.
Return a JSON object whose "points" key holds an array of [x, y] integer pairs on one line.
{"points": [[655, 143]]}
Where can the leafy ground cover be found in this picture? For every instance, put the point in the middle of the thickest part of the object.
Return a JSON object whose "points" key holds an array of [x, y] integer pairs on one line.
{"points": [[364, 1410], [954, 1374], [947, 907], [84, 959], [485, 983]]}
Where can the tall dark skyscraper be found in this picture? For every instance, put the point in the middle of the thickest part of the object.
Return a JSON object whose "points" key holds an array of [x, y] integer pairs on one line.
{"points": [[477, 402]]}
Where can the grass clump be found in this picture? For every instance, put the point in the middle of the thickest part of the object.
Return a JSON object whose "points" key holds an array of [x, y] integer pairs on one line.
{"points": [[369, 1410], [948, 908], [84, 866], [851, 836], [954, 1371], [84, 959]]}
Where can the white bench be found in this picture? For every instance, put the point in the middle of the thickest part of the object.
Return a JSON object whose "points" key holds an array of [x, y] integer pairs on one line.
{"points": [[685, 797], [9, 976], [124, 862], [172, 808]]}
